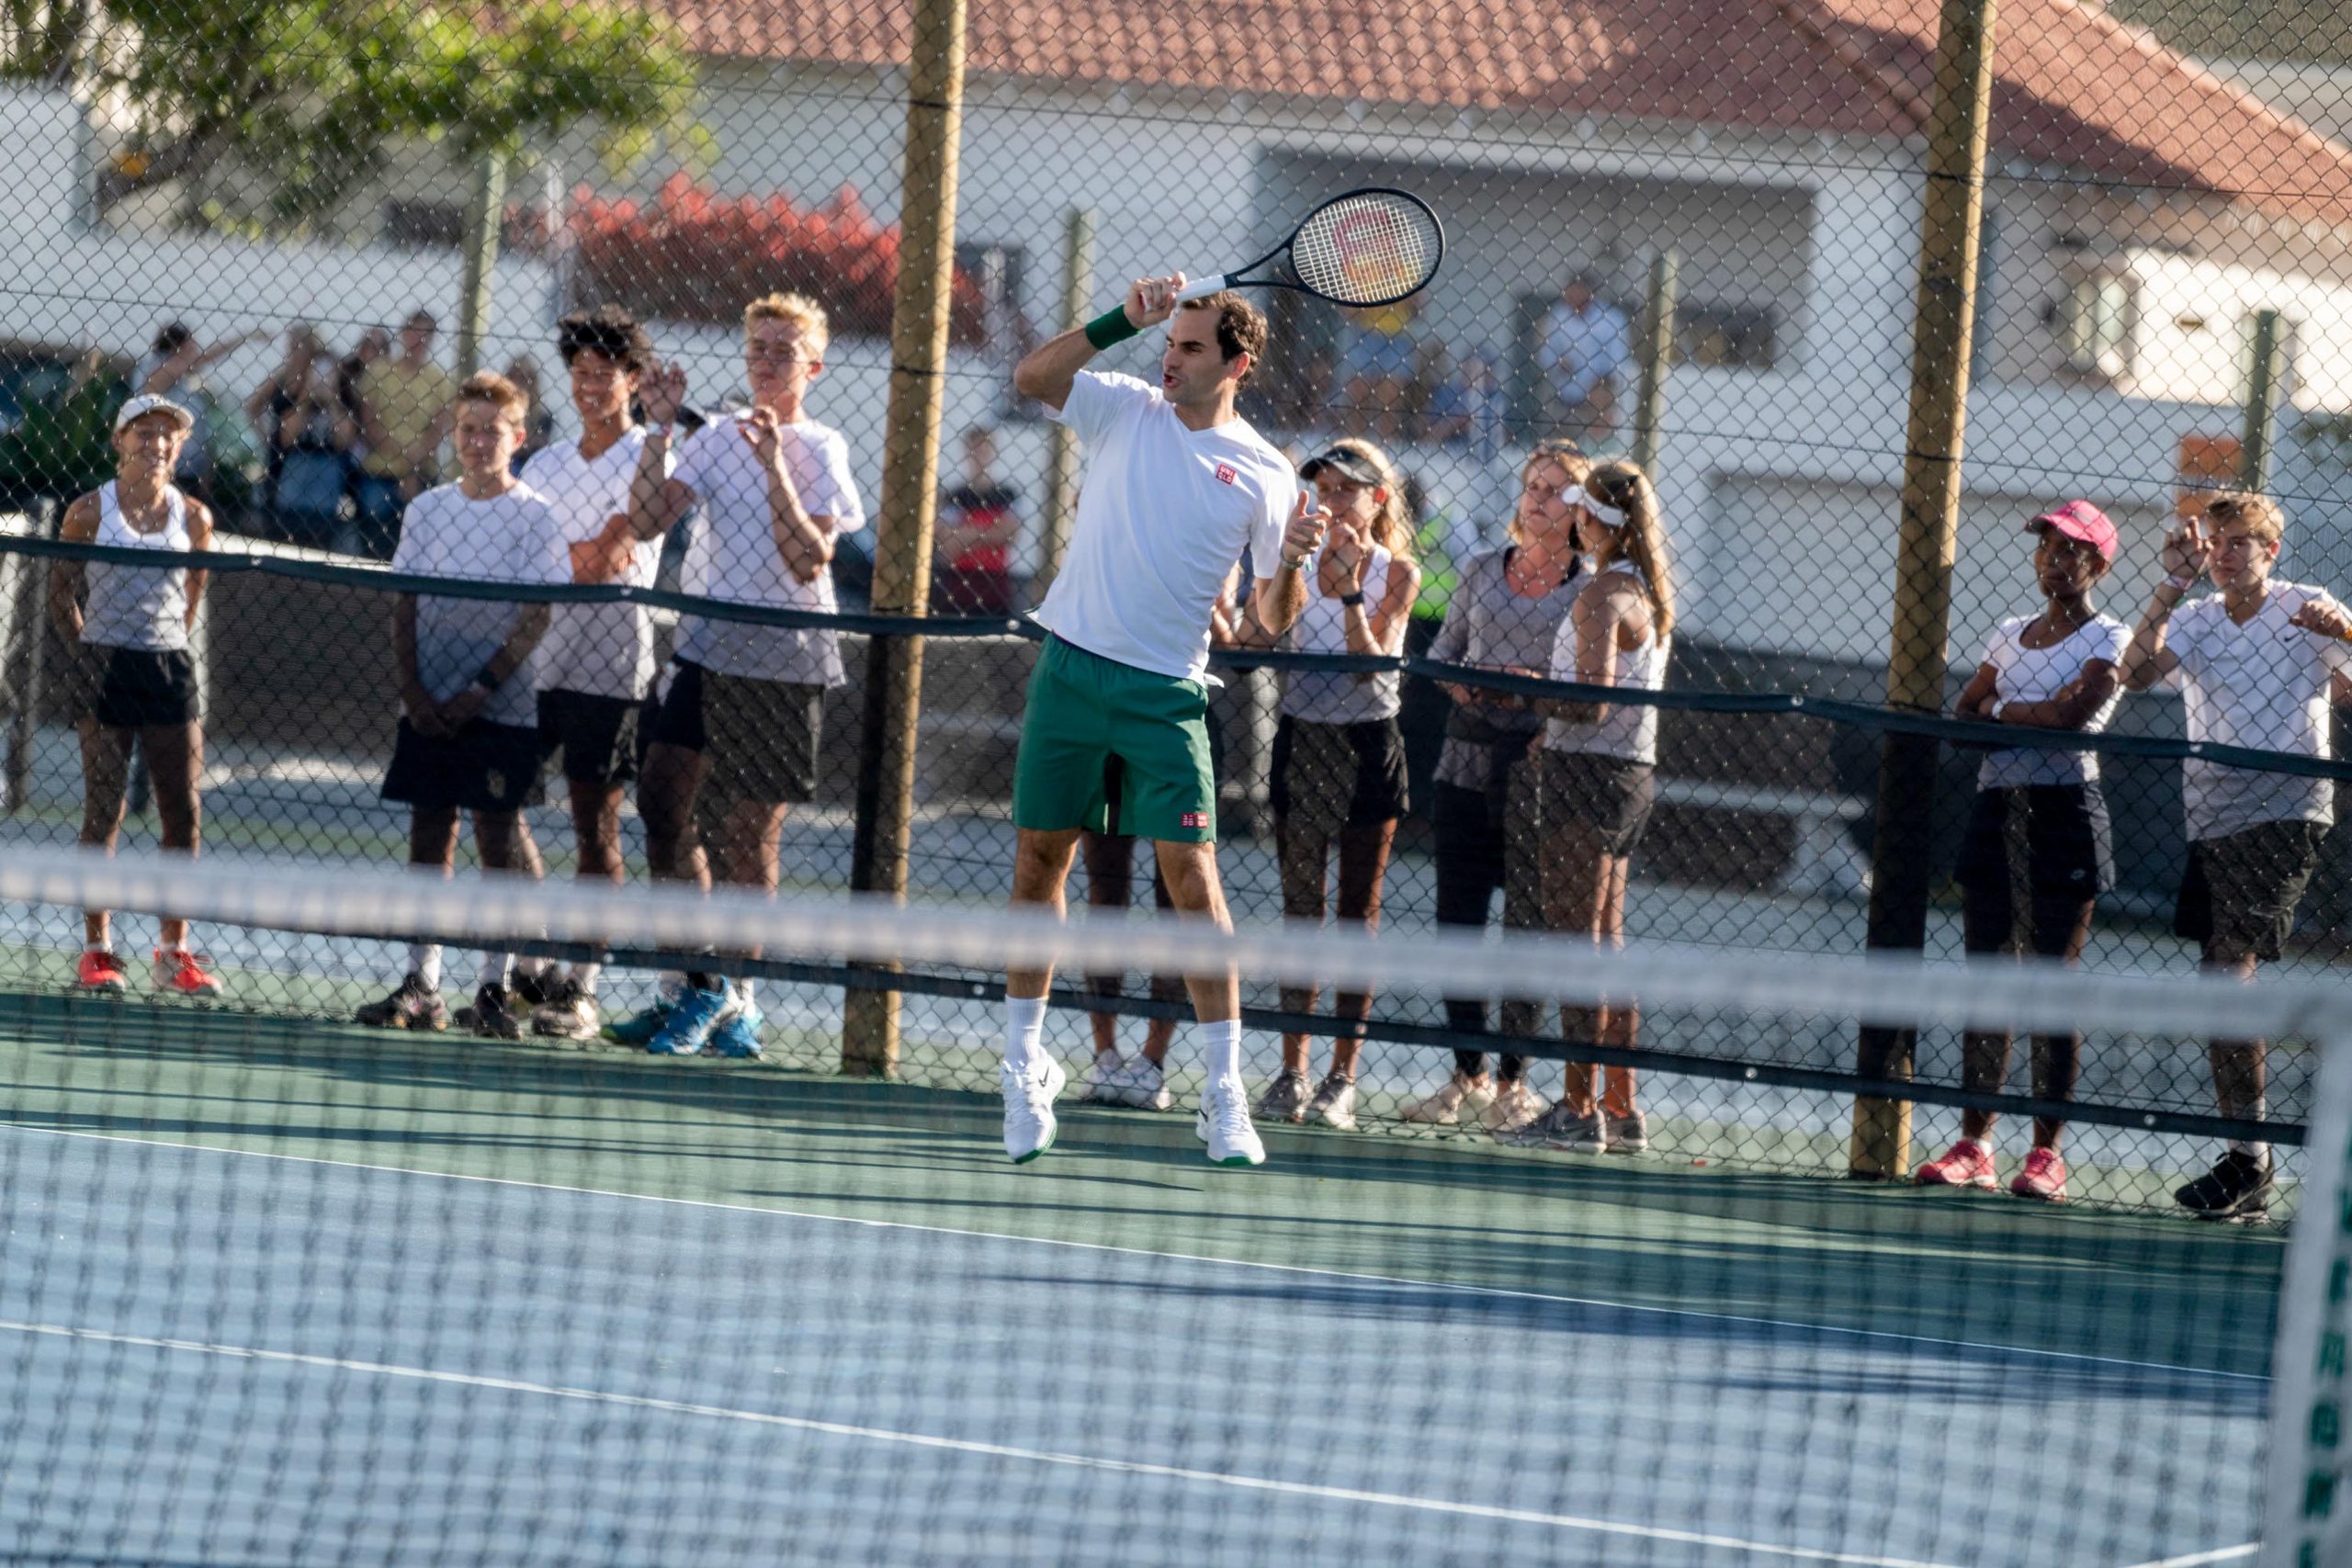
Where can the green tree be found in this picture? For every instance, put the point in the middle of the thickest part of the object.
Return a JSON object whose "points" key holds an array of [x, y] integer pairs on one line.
{"points": [[314, 94]]}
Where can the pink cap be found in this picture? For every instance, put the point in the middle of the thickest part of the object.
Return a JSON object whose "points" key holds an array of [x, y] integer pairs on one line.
{"points": [[2079, 520]]}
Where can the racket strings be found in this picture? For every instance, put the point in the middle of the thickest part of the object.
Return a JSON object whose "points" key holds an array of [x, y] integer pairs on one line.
{"points": [[1367, 249]]}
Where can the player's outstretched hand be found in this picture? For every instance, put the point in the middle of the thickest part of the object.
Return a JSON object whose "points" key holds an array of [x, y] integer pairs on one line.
{"points": [[663, 391], [1309, 522], [1152, 300]]}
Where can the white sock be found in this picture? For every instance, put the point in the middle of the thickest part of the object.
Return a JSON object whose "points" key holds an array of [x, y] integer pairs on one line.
{"points": [[496, 967], [1024, 1031], [106, 946], [425, 963], [584, 977], [1220, 1047], [2261, 1152], [744, 994]]}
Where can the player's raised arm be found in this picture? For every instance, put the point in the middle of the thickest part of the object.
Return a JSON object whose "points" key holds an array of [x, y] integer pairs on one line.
{"points": [[1045, 372]]}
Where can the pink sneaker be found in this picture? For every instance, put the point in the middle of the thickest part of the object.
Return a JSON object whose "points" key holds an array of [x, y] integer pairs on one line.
{"points": [[183, 973], [2044, 1177], [1966, 1164]]}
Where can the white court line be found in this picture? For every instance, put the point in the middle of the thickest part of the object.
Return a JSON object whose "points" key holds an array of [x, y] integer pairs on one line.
{"points": [[2199, 1559], [967, 1445], [1500, 1293]]}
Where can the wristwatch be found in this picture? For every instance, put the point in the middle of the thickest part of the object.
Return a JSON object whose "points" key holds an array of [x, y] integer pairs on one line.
{"points": [[1354, 598]]}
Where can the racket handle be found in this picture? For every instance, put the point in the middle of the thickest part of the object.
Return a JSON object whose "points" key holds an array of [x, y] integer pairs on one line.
{"points": [[1201, 288]]}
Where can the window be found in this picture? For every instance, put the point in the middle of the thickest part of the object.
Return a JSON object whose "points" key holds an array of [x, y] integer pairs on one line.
{"points": [[2096, 326], [999, 272], [425, 225], [1735, 337]]}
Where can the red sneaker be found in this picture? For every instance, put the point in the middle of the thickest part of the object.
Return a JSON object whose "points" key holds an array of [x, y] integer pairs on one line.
{"points": [[2044, 1177], [1966, 1164], [183, 973], [100, 970]]}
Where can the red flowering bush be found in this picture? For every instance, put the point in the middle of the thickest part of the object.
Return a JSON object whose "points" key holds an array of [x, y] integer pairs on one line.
{"points": [[689, 255]]}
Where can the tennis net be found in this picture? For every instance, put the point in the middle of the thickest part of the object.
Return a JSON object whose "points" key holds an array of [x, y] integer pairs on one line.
{"points": [[278, 1288]]}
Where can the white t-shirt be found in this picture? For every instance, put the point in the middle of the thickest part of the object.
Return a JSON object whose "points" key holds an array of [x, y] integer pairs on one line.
{"points": [[733, 555], [1162, 515], [605, 650], [2263, 686], [513, 537], [2023, 674]]}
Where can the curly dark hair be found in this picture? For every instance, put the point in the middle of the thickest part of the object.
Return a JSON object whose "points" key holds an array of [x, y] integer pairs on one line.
{"points": [[609, 331]]}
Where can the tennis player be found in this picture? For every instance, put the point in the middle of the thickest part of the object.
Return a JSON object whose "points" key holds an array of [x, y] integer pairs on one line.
{"points": [[135, 678], [1176, 486]]}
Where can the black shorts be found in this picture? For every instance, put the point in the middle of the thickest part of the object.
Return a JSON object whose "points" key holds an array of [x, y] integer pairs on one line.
{"points": [[2238, 897], [758, 738], [2069, 848], [136, 688], [597, 735], [1613, 794], [483, 767], [1329, 776]]}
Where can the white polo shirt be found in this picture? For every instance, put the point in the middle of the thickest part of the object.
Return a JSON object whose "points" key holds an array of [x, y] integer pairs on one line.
{"points": [[1163, 515], [512, 537], [2262, 685]]}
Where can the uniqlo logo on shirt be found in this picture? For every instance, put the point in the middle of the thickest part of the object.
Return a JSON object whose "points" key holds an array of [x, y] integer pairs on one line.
{"points": [[1194, 818], [1225, 475]]}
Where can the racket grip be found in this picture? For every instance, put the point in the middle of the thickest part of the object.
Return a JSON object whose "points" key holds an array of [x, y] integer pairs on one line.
{"points": [[1201, 287]]}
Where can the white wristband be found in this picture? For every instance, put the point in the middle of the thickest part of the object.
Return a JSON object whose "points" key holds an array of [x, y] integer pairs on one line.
{"points": [[2183, 584]]}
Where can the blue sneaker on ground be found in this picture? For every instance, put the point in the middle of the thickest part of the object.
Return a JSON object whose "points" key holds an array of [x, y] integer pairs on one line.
{"points": [[689, 1028], [739, 1035], [638, 1029]]}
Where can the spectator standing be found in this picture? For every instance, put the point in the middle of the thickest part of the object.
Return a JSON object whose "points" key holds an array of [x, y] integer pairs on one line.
{"points": [[741, 710], [2256, 664], [980, 525], [1594, 782], [467, 740], [538, 428], [1504, 616], [407, 404], [2038, 851], [1339, 777], [307, 435], [134, 678], [1380, 365], [173, 368], [596, 663], [1583, 346]]}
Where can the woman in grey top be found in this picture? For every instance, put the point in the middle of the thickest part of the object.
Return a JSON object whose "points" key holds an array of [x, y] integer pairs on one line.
{"points": [[1504, 615]]}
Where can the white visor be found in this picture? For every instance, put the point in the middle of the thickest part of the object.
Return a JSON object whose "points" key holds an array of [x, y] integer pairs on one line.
{"points": [[1577, 495]]}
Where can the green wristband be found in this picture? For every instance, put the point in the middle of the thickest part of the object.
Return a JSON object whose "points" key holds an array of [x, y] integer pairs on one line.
{"points": [[1110, 327]]}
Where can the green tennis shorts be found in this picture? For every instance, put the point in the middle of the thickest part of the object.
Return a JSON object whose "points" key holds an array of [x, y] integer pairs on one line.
{"points": [[1107, 746]]}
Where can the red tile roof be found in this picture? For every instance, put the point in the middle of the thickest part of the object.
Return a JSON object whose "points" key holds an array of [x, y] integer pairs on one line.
{"points": [[2075, 87]]}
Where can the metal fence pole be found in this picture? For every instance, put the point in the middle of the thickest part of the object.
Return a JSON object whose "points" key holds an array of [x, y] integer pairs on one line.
{"points": [[1658, 353], [918, 324], [1951, 233], [1061, 446], [485, 209], [2261, 401]]}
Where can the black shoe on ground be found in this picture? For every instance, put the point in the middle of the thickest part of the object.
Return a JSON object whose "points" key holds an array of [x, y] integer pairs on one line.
{"points": [[536, 985], [492, 1016], [2237, 1188]]}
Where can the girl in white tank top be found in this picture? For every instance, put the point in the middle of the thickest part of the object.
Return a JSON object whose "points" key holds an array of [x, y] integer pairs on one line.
{"points": [[138, 607]]}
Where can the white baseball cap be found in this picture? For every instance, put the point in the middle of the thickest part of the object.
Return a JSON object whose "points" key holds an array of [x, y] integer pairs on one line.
{"points": [[153, 402]]}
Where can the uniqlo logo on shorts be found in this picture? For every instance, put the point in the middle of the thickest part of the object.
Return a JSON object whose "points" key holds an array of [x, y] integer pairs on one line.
{"points": [[1194, 819], [1225, 475]]}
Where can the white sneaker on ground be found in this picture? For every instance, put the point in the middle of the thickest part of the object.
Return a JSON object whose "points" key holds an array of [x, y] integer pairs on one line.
{"points": [[1458, 1097], [1334, 1104], [1143, 1084], [1514, 1106], [1224, 1125], [1029, 1125], [1099, 1083]]}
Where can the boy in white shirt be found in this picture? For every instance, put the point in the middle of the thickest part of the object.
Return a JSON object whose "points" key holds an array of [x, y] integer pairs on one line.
{"points": [[468, 739], [2256, 665]]}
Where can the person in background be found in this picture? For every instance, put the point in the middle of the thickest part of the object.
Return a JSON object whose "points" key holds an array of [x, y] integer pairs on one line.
{"points": [[1338, 756], [2257, 664], [2039, 850], [1583, 346], [539, 429], [979, 524], [1594, 782], [1504, 616], [596, 664], [173, 368], [308, 433], [135, 677], [407, 405], [1380, 366], [468, 739]]}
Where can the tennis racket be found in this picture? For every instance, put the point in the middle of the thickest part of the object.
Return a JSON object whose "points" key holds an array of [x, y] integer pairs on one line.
{"points": [[1373, 246]]}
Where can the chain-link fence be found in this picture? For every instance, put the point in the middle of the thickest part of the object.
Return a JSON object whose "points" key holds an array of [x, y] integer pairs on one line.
{"points": [[1689, 235]]}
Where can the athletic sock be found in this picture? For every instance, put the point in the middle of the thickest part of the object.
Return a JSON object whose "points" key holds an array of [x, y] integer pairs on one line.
{"points": [[1220, 1044], [1024, 1031], [496, 967], [2260, 1153], [584, 977], [425, 963], [107, 946]]}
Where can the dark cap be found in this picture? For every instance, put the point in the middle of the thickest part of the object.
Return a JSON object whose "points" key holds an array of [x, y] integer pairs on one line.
{"points": [[1351, 465]]}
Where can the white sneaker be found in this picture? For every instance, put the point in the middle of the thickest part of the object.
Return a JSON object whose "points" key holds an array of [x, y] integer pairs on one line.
{"points": [[1098, 1084], [1143, 1084], [1029, 1108], [1513, 1107], [1457, 1097], [1224, 1125], [1334, 1104]]}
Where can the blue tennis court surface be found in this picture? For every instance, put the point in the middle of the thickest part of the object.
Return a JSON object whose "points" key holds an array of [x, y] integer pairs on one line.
{"points": [[268, 1308]]}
